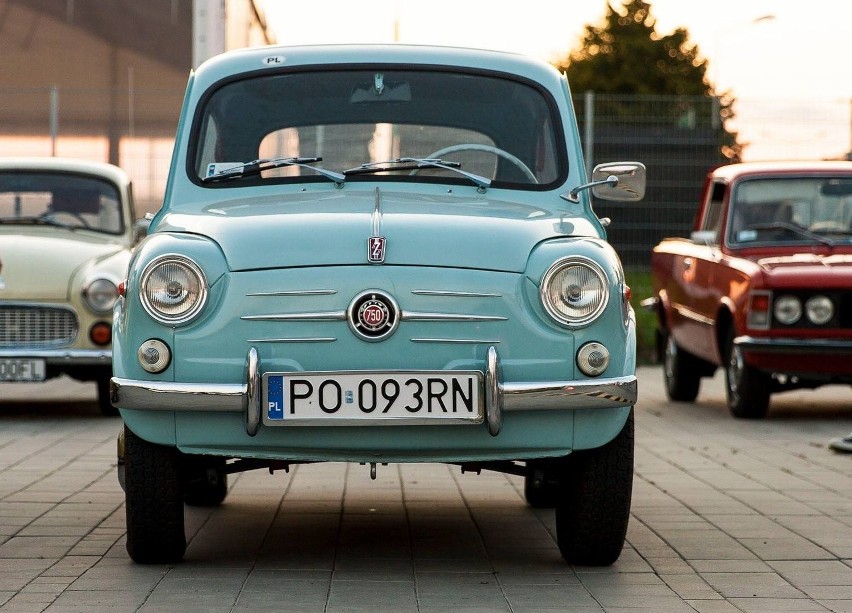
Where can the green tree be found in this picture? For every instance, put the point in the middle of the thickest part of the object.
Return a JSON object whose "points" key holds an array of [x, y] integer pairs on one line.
{"points": [[626, 55]]}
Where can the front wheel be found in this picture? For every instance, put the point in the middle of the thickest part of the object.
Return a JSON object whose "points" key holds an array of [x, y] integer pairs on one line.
{"points": [[153, 501], [747, 389], [104, 401], [594, 507]]}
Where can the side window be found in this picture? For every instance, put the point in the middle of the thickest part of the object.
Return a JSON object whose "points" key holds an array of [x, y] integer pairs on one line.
{"points": [[712, 221]]}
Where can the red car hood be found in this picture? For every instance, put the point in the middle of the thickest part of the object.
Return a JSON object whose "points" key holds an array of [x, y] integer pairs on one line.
{"points": [[808, 270]]}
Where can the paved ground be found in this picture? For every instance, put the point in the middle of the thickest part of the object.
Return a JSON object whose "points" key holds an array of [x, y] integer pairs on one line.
{"points": [[728, 515]]}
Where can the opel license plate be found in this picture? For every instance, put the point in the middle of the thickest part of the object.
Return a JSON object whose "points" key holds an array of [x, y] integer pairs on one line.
{"points": [[373, 397]]}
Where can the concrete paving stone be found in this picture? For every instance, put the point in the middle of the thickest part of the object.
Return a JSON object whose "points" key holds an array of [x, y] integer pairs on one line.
{"points": [[792, 548], [668, 565], [828, 592], [712, 606], [377, 594], [750, 565], [461, 564], [107, 601], [814, 572], [37, 530], [37, 546], [776, 605], [837, 606], [527, 597], [752, 585]]}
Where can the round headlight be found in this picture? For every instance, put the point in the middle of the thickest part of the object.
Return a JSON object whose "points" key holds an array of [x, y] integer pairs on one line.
{"points": [[819, 309], [100, 295], [787, 309], [173, 289], [574, 291]]}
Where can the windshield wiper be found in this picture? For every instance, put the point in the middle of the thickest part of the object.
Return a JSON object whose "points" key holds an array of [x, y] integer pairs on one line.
{"points": [[247, 169], [38, 221], [417, 164], [783, 225]]}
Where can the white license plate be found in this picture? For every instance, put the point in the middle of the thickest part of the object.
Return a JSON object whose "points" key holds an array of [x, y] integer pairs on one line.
{"points": [[373, 397], [14, 369]]}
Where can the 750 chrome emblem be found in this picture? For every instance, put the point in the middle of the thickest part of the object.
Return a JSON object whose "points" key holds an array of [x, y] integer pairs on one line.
{"points": [[373, 315], [376, 249]]}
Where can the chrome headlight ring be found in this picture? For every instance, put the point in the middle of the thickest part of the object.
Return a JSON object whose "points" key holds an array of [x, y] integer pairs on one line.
{"points": [[787, 309], [574, 291], [173, 289], [819, 309]]}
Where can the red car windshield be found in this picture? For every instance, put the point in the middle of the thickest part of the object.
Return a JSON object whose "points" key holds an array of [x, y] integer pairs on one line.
{"points": [[791, 210]]}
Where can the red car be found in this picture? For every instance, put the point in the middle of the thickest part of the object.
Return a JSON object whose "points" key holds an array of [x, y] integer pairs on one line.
{"points": [[763, 286]]}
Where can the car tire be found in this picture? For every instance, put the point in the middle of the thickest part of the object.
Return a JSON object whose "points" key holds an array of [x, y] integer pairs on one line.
{"points": [[680, 372], [747, 389], [104, 400], [153, 501], [205, 484], [541, 489], [593, 509]]}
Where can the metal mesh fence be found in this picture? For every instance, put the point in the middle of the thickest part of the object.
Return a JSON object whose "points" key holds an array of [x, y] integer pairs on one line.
{"points": [[679, 138]]}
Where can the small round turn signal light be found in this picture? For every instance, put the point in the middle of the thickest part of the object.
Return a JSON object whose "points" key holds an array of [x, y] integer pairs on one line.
{"points": [[154, 355], [101, 333]]}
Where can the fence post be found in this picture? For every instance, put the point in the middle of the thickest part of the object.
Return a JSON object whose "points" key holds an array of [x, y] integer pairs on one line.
{"points": [[54, 118], [589, 130], [716, 113]]}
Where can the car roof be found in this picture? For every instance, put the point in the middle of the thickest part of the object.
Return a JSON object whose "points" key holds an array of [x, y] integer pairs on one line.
{"points": [[58, 164], [731, 172], [281, 57]]}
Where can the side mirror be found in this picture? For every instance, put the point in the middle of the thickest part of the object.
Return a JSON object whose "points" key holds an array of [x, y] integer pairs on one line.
{"points": [[703, 237], [140, 229], [628, 186]]}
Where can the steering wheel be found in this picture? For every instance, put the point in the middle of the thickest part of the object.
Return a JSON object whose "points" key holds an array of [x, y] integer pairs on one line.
{"points": [[487, 149]]}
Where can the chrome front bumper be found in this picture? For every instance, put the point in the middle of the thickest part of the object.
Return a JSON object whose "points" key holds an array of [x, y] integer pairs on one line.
{"points": [[499, 396], [76, 357], [797, 346]]}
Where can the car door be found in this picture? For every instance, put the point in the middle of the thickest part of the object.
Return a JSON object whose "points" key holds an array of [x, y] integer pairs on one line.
{"points": [[696, 301]]}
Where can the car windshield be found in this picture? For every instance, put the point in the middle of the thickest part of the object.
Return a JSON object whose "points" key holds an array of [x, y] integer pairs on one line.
{"points": [[63, 200], [791, 210], [497, 128]]}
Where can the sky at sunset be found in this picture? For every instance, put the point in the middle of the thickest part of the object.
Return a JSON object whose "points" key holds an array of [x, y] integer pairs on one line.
{"points": [[786, 61]]}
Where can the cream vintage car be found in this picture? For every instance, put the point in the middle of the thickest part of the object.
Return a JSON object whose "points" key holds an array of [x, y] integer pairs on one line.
{"points": [[66, 231]]}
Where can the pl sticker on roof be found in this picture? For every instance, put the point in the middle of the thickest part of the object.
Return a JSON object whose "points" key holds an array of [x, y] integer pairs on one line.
{"points": [[273, 60]]}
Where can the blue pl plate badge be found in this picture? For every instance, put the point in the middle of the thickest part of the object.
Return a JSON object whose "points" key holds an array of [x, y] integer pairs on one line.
{"points": [[275, 398]]}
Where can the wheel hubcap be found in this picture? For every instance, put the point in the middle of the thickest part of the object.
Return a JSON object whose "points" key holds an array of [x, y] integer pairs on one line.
{"points": [[669, 358], [736, 365]]}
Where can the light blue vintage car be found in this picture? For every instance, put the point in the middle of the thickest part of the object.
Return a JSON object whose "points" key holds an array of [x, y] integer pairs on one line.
{"points": [[378, 254]]}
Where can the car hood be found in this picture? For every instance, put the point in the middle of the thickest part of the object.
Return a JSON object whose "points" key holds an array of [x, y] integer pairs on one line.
{"points": [[333, 228], [41, 267], [808, 269]]}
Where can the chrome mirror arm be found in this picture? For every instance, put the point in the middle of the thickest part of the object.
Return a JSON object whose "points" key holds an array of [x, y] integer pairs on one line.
{"points": [[573, 195]]}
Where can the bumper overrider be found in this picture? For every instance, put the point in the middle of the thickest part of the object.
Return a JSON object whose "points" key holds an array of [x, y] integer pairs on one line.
{"points": [[499, 396]]}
